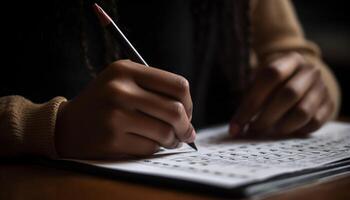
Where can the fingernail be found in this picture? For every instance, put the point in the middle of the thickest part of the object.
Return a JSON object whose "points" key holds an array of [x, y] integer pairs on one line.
{"points": [[175, 144], [234, 128]]}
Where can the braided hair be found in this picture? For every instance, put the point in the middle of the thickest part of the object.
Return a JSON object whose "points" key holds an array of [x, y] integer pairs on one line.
{"points": [[229, 18], [110, 46]]}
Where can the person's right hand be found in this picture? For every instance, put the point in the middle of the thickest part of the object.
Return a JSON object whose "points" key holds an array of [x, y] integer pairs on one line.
{"points": [[129, 109]]}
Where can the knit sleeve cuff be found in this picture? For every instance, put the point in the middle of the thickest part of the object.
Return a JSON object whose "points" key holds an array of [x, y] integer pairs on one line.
{"points": [[39, 121]]}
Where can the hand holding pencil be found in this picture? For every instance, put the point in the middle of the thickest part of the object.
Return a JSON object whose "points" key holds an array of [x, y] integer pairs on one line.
{"points": [[129, 109], [109, 24]]}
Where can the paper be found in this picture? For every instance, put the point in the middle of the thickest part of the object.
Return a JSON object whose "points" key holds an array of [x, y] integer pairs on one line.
{"points": [[224, 162]]}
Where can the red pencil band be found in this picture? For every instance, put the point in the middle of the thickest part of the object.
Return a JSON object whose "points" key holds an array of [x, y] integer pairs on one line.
{"points": [[109, 24]]}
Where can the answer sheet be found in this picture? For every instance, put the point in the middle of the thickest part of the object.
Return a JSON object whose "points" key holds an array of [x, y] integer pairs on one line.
{"points": [[224, 162]]}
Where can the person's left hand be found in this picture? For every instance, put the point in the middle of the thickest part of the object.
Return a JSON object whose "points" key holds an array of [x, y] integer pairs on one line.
{"points": [[288, 97]]}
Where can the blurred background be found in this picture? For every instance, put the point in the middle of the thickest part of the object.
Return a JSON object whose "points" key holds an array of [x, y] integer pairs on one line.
{"points": [[328, 24]]}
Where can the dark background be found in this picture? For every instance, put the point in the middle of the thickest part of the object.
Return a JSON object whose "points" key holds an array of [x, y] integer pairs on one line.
{"points": [[328, 24]]}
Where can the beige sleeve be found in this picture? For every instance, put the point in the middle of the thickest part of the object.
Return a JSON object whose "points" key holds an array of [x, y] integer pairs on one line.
{"points": [[27, 128], [276, 30]]}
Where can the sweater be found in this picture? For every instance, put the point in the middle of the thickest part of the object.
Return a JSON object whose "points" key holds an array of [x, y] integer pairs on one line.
{"points": [[28, 128]]}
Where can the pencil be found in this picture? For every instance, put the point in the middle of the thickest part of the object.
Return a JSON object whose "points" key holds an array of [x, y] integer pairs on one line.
{"points": [[112, 27]]}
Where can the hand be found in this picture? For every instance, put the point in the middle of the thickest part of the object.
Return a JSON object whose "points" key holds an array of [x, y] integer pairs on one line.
{"points": [[128, 109], [287, 98]]}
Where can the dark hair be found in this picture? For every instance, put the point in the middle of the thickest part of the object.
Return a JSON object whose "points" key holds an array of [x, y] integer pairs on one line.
{"points": [[110, 46], [221, 52], [227, 18]]}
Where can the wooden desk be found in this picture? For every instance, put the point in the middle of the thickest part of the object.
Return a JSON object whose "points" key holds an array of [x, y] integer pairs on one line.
{"points": [[27, 181]]}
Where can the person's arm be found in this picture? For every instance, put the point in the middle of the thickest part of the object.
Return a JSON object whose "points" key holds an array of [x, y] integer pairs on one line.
{"points": [[293, 92], [27, 128], [278, 30], [128, 109]]}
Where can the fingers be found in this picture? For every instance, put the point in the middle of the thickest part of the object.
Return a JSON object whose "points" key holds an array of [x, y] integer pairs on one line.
{"points": [[322, 115], [266, 82], [168, 84], [162, 95], [130, 109], [288, 97], [151, 128], [302, 113], [160, 107], [160, 81], [170, 111], [134, 133], [285, 98]]}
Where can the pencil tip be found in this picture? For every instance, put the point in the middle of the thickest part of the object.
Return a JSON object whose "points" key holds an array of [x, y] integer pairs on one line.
{"points": [[193, 146], [102, 15]]}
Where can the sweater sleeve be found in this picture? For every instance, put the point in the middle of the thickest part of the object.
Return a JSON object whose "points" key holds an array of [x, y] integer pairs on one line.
{"points": [[276, 30], [27, 128]]}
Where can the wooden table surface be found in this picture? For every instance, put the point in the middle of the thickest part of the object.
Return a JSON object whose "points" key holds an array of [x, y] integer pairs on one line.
{"points": [[31, 181]]}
